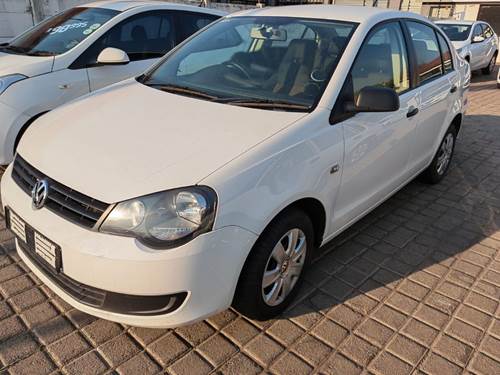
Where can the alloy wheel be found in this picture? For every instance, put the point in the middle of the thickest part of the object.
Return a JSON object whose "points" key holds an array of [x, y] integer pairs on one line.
{"points": [[284, 267], [492, 63], [445, 153]]}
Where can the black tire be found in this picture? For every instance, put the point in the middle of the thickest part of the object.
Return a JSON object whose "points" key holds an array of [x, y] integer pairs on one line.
{"points": [[491, 65], [433, 174], [249, 299]]}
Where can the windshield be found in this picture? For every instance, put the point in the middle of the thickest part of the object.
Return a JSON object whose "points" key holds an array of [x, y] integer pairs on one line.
{"points": [[267, 62], [60, 33], [456, 33]]}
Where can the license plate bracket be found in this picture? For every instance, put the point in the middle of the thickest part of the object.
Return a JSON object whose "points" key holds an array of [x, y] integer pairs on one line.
{"points": [[33, 242]]}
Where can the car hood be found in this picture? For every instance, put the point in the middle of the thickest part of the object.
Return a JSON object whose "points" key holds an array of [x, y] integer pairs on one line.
{"points": [[130, 140], [28, 65]]}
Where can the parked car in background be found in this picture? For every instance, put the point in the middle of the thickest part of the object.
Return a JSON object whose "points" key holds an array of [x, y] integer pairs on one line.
{"points": [[212, 179], [84, 49], [475, 41]]}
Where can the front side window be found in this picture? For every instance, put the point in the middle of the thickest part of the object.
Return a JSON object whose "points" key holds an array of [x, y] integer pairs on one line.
{"points": [[456, 33], [427, 51], [257, 61], [478, 31], [61, 33], [382, 61], [446, 54], [144, 36]]}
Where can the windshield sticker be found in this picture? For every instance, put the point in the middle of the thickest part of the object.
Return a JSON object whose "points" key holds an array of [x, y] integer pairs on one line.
{"points": [[64, 28], [95, 26], [87, 31]]}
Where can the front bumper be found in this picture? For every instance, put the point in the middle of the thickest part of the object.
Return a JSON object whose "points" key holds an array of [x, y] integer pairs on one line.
{"points": [[11, 121], [206, 269]]}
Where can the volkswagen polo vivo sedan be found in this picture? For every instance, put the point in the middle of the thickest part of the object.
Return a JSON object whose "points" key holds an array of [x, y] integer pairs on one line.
{"points": [[212, 179], [81, 50]]}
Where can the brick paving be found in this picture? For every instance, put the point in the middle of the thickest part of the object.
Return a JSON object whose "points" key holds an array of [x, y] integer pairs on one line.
{"points": [[412, 288]]}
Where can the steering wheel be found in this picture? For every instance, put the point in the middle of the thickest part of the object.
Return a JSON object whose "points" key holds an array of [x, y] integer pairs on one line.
{"points": [[235, 66]]}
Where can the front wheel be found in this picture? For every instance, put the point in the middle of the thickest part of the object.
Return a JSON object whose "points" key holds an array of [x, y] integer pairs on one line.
{"points": [[491, 66], [272, 274], [441, 162]]}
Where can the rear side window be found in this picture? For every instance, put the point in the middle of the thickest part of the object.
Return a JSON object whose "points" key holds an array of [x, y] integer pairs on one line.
{"points": [[427, 51], [190, 22], [382, 60], [488, 33], [445, 52]]}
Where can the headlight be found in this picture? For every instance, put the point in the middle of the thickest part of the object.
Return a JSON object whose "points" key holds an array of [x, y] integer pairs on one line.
{"points": [[6, 81], [166, 219]]}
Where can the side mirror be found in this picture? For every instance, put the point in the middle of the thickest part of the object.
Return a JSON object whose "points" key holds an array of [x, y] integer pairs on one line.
{"points": [[374, 99], [113, 56], [477, 39]]}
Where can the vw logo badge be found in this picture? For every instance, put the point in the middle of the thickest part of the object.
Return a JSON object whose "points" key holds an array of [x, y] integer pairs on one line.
{"points": [[39, 194]]}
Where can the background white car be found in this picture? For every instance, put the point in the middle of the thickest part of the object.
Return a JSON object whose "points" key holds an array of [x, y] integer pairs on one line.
{"points": [[69, 55], [475, 41]]}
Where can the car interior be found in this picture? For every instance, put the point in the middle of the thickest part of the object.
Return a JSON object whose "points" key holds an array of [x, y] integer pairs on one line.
{"points": [[295, 68]]}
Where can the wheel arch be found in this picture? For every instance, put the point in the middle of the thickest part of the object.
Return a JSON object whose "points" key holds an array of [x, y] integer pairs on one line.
{"points": [[457, 122], [312, 207], [23, 128]]}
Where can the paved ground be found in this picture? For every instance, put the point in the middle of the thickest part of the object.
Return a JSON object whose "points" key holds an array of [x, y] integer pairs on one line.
{"points": [[413, 288]]}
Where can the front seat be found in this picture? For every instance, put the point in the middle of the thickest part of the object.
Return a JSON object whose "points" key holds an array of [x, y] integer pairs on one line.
{"points": [[295, 68], [139, 39]]}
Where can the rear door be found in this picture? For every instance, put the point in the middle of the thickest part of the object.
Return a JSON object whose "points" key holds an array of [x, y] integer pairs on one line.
{"points": [[437, 84], [491, 43]]}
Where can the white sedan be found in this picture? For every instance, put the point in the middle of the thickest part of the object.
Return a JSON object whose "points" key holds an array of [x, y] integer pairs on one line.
{"points": [[212, 179], [81, 50]]}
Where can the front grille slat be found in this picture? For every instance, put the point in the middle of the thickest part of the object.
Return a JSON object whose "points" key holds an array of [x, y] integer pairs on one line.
{"points": [[72, 206], [62, 200], [80, 198]]}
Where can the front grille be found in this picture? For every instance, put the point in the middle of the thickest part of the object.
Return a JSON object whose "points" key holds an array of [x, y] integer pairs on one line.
{"points": [[62, 200]]}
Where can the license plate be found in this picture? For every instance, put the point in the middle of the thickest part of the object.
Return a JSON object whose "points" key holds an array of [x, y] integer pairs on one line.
{"points": [[34, 242]]}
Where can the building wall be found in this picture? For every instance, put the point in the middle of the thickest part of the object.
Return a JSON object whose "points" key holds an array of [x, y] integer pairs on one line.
{"points": [[18, 15]]}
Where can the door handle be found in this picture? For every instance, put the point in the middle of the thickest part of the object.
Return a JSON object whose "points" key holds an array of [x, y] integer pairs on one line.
{"points": [[64, 86], [412, 112], [453, 89]]}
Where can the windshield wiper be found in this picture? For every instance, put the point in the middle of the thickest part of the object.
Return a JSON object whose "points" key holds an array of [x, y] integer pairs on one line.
{"points": [[14, 49], [40, 53], [183, 90], [264, 103]]}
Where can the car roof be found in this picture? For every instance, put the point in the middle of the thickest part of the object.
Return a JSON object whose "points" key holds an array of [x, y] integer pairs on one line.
{"points": [[455, 22], [124, 5], [350, 13]]}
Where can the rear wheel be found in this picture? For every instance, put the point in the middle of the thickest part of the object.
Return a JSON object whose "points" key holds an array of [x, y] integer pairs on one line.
{"points": [[491, 65], [273, 271], [442, 160]]}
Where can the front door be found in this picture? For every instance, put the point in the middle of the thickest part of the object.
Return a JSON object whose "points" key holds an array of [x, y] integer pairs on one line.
{"points": [[478, 49], [376, 144]]}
